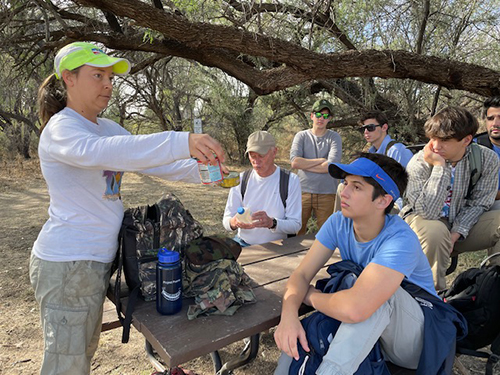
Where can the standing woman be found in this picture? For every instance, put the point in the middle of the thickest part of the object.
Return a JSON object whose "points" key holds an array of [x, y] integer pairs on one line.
{"points": [[82, 158]]}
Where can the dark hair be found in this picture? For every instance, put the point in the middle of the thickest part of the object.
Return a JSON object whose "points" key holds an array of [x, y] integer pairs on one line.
{"points": [[493, 101], [377, 115], [451, 122], [390, 166], [52, 97]]}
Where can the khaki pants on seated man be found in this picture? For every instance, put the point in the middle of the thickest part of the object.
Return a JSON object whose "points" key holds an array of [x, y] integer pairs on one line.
{"points": [[434, 236]]}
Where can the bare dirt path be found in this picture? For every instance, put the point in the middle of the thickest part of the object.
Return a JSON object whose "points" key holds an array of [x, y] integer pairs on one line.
{"points": [[23, 209]]}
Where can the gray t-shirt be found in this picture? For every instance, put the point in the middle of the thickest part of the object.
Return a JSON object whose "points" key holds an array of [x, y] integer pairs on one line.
{"points": [[307, 145]]}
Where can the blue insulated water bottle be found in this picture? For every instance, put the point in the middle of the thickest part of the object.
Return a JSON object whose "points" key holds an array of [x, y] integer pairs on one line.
{"points": [[168, 282]]}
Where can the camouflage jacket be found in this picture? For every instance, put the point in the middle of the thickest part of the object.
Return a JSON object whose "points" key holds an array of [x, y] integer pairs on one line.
{"points": [[219, 288]]}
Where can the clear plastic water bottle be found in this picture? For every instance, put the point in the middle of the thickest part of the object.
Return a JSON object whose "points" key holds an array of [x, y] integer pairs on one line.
{"points": [[168, 282], [244, 215]]}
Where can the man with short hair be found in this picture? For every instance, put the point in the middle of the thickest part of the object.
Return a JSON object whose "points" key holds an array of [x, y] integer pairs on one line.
{"points": [[311, 152], [374, 127], [448, 216], [491, 138], [376, 307], [271, 219]]}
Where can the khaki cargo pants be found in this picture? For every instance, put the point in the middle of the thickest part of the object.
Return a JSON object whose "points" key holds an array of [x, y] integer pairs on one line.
{"points": [[71, 297], [435, 238]]}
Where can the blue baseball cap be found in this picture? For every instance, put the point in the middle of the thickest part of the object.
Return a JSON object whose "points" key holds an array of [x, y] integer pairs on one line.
{"points": [[366, 168]]}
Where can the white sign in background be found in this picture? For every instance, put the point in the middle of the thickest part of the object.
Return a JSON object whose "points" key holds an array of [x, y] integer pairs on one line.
{"points": [[198, 127]]}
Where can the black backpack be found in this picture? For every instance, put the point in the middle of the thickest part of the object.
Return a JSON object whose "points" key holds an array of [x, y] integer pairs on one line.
{"points": [[144, 230], [476, 294]]}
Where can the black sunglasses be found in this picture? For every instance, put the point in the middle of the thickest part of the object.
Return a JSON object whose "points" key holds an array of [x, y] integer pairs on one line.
{"points": [[369, 127], [324, 115]]}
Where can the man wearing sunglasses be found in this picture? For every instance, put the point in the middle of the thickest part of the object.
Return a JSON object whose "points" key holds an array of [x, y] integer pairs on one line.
{"points": [[374, 127], [311, 152]]}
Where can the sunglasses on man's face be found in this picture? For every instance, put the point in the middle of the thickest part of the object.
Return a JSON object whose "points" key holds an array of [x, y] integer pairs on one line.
{"points": [[324, 115], [369, 127]]}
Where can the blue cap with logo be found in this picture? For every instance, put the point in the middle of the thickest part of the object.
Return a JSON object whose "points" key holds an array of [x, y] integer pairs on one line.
{"points": [[366, 168]]}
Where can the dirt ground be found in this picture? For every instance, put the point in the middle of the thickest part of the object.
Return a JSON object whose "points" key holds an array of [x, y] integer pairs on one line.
{"points": [[23, 206]]}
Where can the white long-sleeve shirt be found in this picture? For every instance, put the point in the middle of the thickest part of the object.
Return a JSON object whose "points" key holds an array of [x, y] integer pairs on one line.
{"points": [[263, 194], [83, 163]]}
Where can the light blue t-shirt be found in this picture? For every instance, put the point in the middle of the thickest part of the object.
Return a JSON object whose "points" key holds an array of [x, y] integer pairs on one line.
{"points": [[396, 247], [398, 151]]}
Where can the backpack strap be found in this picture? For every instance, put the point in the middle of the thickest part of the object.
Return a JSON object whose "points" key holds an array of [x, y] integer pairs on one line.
{"points": [[154, 214], [495, 345], [389, 145], [244, 183], [284, 182], [125, 320], [475, 164], [494, 356], [150, 212], [118, 281]]}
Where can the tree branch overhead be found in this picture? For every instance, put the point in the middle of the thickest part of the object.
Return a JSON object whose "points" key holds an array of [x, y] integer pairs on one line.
{"points": [[220, 46]]}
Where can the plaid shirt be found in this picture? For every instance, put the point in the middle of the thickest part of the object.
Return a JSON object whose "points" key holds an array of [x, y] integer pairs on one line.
{"points": [[428, 188]]}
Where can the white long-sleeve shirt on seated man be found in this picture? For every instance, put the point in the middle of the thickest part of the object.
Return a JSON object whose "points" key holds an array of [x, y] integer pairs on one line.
{"points": [[263, 194]]}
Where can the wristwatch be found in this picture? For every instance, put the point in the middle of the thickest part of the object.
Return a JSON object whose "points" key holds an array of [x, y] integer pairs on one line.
{"points": [[275, 222]]}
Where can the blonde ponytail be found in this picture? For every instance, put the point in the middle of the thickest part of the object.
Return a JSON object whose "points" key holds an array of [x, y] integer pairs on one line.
{"points": [[51, 99]]}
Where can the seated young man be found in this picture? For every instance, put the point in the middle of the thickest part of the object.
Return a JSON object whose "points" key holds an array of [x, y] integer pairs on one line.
{"points": [[445, 213], [376, 307]]}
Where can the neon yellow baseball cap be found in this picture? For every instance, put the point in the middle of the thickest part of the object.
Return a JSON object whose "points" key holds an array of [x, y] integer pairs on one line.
{"points": [[80, 53]]}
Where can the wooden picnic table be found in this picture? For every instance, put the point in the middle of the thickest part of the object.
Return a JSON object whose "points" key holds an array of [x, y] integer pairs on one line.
{"points": [[176, 340]]}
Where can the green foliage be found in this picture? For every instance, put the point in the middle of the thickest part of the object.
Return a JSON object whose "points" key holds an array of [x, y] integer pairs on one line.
{"points": [[170, 93], [189, 6], [150, 36], [18, 109]]}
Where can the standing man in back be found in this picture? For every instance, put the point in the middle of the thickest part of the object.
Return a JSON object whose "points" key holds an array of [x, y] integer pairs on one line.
{"points": [[311, 153], [374, 127]]}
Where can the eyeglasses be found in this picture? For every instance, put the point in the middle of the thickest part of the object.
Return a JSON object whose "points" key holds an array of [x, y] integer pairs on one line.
{"points": [[324, 115], [369, 127]]}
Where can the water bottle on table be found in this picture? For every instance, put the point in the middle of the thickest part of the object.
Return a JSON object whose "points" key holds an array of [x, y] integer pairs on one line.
{"points": [[168, 282]]}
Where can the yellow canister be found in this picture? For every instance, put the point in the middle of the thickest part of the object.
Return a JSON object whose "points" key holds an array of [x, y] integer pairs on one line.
{"points": [[230, 180]]}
